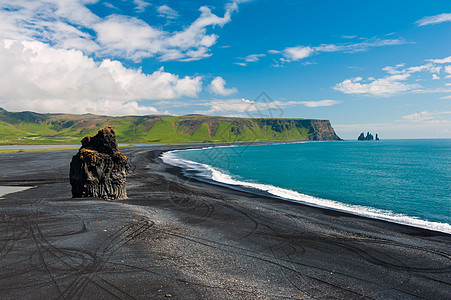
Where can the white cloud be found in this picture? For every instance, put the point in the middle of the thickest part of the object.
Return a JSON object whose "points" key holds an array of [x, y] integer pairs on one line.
{"points": [[195, 36], [440, 60], [302, 52], [319, 103], [385, 86], [263, 109], [445, 17], [70, 24], [128, 37], [99, 107], [48, 21], [392, 70], [167, 12], [141, 5], [329, 48], [421, 116], [46, 79], [134, 39], [427, 117], [250, 58], [227, 106], [253, 57], [297, 53], [312, 104], [360, 47], [217, 86], [397, 80]]}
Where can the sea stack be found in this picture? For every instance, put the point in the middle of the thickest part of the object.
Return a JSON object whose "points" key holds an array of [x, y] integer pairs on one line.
{"points": [[368, 137], [99, 169]]}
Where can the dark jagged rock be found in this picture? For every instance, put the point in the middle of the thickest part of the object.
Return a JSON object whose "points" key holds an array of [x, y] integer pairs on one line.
{"points": [[361, 137], [377, 137], [368, 137], [99, 169], [104, 141]]}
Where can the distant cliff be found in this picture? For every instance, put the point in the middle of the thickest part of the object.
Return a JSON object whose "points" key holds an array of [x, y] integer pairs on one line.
{"points": [[30, 127]]}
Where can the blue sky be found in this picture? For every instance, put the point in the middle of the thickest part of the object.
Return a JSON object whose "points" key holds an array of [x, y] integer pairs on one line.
{"points": [[380, 66]]}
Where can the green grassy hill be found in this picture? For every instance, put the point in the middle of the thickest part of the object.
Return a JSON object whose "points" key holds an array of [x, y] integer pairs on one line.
{"points": [[34, 128]]}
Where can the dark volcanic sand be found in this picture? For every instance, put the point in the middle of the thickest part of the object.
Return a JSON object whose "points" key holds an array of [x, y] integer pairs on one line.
{"points": [[194, 240]]}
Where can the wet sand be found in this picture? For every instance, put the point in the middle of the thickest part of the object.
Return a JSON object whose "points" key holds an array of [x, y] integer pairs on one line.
{"points": [[179, 237]]}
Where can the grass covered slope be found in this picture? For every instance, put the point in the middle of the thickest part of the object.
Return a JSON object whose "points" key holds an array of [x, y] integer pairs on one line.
{"points": [[34, 128]]}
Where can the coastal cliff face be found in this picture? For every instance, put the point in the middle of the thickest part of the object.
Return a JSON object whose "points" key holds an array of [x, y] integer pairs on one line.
{"points": [[29, 127], [322, 131]]}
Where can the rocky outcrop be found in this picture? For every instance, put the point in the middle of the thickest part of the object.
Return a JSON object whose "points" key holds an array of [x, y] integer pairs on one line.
{"points": [[99, 169], [368, 137], [321, 130]]}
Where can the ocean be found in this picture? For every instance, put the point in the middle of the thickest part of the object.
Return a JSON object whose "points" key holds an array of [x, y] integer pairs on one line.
{"points": [[403, 181]]}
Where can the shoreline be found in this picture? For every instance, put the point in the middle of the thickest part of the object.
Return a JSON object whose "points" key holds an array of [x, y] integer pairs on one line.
{"points": [[16, 148], [196, 240], [260, 192]]}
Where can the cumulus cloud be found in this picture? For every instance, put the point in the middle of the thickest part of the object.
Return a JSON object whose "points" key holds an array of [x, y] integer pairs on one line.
{"points": [[297, 53], [61, 57], [430, 20], [46, 79], [125, 36], [217, 86], [165, 11], [48, 21], [70, 24], [398, 80]]}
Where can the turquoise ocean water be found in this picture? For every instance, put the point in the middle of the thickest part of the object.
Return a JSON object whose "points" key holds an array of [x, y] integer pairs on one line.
{"points": [[404, 181]]}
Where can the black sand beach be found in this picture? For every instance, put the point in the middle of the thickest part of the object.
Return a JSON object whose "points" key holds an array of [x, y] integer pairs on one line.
{"points": [[185, 239]]}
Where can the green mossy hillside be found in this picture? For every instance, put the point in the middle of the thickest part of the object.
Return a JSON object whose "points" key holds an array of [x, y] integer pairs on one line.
{"points": [[34, 128]]}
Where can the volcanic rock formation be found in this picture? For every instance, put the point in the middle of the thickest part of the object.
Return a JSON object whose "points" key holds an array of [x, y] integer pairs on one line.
{"points": [[99, 169], [368, 137]]}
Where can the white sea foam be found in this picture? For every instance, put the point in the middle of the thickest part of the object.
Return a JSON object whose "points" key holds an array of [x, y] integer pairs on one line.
{"points": [[4, 190], [211, 173]]}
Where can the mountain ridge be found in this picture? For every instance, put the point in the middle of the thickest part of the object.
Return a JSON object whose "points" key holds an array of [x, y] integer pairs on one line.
{"points": [[35, 128]]}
